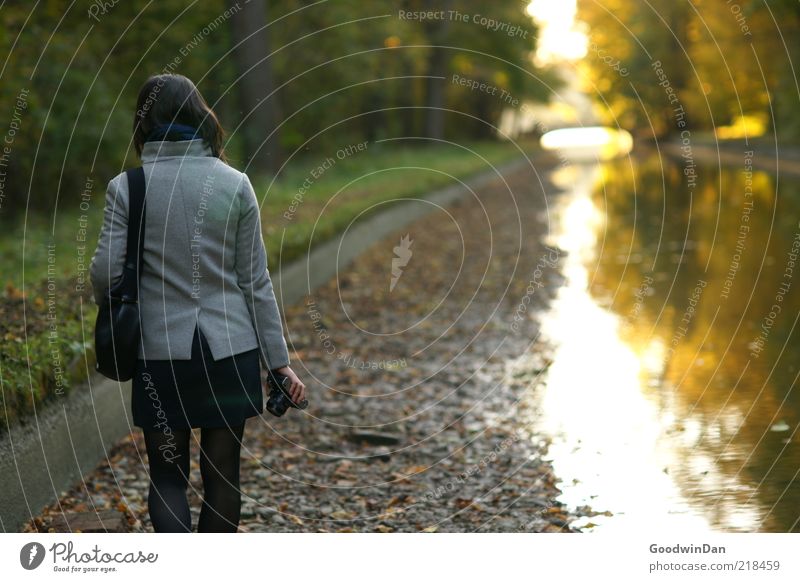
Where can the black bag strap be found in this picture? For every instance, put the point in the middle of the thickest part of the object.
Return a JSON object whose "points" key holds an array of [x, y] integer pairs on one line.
{"points": [[136, 220]]}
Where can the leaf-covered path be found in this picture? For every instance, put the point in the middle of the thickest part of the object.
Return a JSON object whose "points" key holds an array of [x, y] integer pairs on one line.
{"points": [[423, 394]]}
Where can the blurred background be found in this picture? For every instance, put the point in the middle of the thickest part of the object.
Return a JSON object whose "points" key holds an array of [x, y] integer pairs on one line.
{"points": [[676, 129]]}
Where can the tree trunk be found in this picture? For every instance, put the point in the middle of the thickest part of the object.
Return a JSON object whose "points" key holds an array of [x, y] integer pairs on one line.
{"points": [[259, 111], [437, 67]]}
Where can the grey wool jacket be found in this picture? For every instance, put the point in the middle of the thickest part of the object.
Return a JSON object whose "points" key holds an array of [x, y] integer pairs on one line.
{"points": [[204, 260]]}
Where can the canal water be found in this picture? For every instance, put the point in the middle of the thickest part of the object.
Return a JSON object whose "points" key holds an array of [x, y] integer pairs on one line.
{"points": [[671, 399]]}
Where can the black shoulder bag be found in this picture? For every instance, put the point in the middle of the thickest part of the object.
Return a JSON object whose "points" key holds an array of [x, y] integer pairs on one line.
{"points": [[116, 330]]}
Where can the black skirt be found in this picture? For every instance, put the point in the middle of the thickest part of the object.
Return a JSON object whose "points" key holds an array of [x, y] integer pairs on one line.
{"points": [[197, 393]]}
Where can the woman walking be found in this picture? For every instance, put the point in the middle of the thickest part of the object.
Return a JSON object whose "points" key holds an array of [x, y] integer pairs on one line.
{"points": [[208, 310]]}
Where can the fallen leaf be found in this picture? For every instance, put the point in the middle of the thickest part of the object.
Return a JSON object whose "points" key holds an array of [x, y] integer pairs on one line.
{"points": [[341, 514], [463, 503], [398, 500]]}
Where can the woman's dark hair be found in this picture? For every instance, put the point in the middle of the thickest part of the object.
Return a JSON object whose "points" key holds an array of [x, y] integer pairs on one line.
{"points": [[170, 98]]}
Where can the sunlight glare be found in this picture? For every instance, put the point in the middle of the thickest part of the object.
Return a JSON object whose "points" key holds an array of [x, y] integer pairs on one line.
{"points": [[559, 38], [591, 143]]}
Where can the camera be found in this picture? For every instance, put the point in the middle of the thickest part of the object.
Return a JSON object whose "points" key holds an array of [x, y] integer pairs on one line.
{"points": [[279, 400]]}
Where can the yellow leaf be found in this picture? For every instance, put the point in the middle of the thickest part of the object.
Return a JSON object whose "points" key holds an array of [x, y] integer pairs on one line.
{"points": [[341, 514], [398, 500]]}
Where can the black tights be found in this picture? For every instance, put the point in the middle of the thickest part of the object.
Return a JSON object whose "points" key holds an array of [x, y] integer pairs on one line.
{"points": [[169, 479]]}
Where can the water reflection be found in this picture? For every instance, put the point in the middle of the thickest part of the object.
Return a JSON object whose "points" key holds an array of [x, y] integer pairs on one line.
{"points": [[667, 407]]}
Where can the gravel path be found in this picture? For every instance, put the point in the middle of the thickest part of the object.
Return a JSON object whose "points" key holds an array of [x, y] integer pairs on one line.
{"points": [[423, 397]]}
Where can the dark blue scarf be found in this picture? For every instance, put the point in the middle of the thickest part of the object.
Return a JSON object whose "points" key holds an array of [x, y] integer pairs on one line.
{"points": [[173, 132]]}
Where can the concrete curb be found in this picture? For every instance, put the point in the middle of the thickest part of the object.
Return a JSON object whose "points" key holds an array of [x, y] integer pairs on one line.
{"points": [[42, 459], [49, 454]]}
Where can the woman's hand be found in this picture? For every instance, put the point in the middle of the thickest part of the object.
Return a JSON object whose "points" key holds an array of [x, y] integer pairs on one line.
{"points": [[297, 390]]}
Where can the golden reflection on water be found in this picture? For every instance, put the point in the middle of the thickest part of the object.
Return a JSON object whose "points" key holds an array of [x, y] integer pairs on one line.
{"points": [[659, 410]]}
